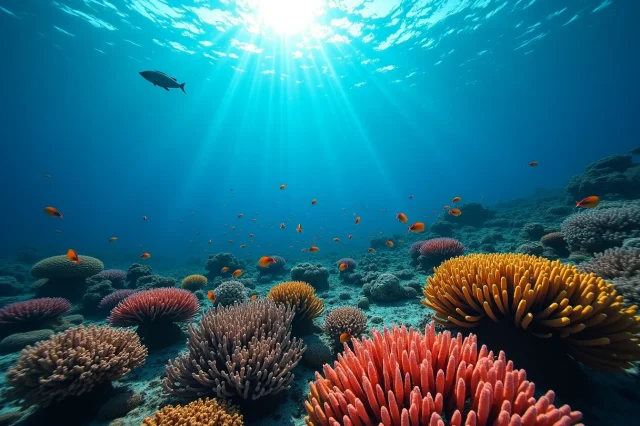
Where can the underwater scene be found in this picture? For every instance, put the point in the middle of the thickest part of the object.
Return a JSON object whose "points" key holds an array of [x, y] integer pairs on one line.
{"points": [[319, 213]]}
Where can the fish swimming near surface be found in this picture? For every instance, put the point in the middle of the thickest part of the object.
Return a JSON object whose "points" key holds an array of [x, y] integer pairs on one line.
{"points": [[158, 78]]}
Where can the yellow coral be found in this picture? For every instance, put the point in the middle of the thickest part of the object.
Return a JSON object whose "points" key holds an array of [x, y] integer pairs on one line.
{"points": [[548, 299], [301, 296], [208, 412], [194, 282]]}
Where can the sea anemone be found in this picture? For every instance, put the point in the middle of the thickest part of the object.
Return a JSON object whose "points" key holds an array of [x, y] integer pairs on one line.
{"points": [[30, 314], [414, 250], [542, 297], [194, 282], [402, 377], [301, 297], [112, 299]]}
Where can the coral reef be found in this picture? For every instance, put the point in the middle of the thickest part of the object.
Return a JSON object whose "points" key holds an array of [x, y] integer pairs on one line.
{"points": [[473, 214], [72, 363], [194, 282], [31, 314], [112, 299], [94, 294], [597, 230], [387, 288], [545, 298], [149, 282], [9, 286], [346, 319], [243, 352], [615, 177], [276, 268], [555, 240], [315, 275], [414, 249], [207, 412], [435, 251], [136, 271], [118, 277], [351, 264], [403, 377], [622, 266], [302, 298], [215, 263], [64, 277], [533, 231], [231, 292]]}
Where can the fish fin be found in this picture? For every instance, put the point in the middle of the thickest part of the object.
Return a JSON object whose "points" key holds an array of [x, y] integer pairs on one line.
{"points": [[182, 87], [166, 88]]}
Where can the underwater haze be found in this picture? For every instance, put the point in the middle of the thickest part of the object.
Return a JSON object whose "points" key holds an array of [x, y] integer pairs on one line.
{"points": [[304, 125]]}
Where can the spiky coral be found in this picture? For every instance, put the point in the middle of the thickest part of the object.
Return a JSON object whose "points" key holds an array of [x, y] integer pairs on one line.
{"points": [[548, 299], [345, 319], [112, 299], [194, 282], [301, 297], [156, 305], [34, 310], [402, 377], [208, 412]]}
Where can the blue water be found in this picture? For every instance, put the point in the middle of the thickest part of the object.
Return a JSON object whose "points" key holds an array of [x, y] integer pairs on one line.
{"points": [[359, 107]]}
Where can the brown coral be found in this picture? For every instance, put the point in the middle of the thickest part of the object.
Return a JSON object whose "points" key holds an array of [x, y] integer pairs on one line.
{"points": [[555, 240], [74, 362], [194, 282], [301, 297], [242, 351], [346, 319], [208, 412], [546, 298]]}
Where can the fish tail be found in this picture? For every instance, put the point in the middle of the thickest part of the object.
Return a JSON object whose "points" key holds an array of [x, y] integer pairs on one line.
{"points": [[182, 87], [577, 203]]}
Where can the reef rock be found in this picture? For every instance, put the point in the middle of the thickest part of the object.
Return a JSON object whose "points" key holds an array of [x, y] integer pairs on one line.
{"points": [[315, 275], [615, 177], [387, 288]]}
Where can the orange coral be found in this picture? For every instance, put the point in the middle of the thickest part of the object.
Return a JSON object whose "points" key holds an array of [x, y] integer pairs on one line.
{"points": [[194, 282], [402, 377], [548, 299], [208, 412], [301, 296]]}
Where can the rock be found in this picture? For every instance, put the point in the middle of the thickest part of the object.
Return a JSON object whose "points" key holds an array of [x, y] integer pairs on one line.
{"points": [[344, 295], [533, 231], [377, 320], [119, 405], [366, 289], [363, 303], [387, 288], [410, 292], [404, 274], [9, 286], [315, 275], [416, 285], [18, 341], [318, 352], [615, 177], [148, 282], [136, 271]]}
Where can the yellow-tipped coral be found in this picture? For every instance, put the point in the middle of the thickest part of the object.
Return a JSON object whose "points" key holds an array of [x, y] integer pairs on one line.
{"points": [[543, 297], [194, 282], [208, 412], [301, 296]]}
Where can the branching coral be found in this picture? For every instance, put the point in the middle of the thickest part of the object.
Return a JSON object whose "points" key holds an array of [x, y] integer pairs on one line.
{"points": [[301, 297], [242, 351], [402, 377], [73, 362], [548, 299], [208, 412], [345, 319]]}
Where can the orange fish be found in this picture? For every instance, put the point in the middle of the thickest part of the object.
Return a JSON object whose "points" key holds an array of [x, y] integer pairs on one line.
{"points": [[589, 202], [456, 199], [350, 236], [455, 212], [345, 337], [299, 228], [224, 269], [336, 240], [254, 297], [112, 239], [357, 220], [266, 261], [53, 212], [411, 197], [417, 227], [236, 273], [389, 243], [73, 256], [313, 249], [447, 207], [343, 266], [282, 226], [402, 217], [240, 216], [314, 202], [145, 256], [211, 296], [144, 218], [283, 187], [371, 250], [533, 164]]}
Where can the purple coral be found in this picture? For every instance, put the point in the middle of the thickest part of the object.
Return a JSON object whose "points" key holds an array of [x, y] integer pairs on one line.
{"points": [[444, 248], [598, 230], [414, 250], [112, 299], [351, 264], [614, 263], [35, 310], [116, 276]]}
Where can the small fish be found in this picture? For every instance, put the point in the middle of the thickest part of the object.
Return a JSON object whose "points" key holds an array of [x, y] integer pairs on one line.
{"points": [[181, 220], [266, 261], [402, 217], [209, 241], [345, 337], [299, 228], [254, 219], [250, 235], [417, 227], [237, 273], [455, 200], [53, 212], [144, 218], [303, 250], [242, 246], [283, 186], [447, 207], [389, 243], [336, 240], [350, 236], [224, 269], [145, 256], [73, 256], [589, 202], [47, 176], [254, 297], [211, 296], [282, 226], [533, 164], [240, 216], [233, 228], [230, 241], [380, 232], [158, 78], [411, 197], [313, 249], [371, 250], [455, 212], [112, 239], [314, 202], [357, 220], [343, 266], [58, 231]]}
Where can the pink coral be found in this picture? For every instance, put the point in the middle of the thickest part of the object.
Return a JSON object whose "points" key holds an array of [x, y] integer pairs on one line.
{"points": [[414, 250], [404, 378], [35, 310], [112, 299], [158, 304]]}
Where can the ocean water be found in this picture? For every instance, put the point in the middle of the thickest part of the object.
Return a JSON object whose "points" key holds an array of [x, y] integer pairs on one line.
{"points": [[371, 108]]}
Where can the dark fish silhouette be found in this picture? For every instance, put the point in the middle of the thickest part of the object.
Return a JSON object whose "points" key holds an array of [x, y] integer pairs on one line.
{"points": [[163, 80]]}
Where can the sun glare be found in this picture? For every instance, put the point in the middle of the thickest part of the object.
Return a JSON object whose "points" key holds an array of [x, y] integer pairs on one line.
{"points": [[288, 16]]}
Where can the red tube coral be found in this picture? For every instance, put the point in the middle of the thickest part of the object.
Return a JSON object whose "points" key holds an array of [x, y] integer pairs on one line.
{"points": [[34, 310], [159, 304], [401, 377]]}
